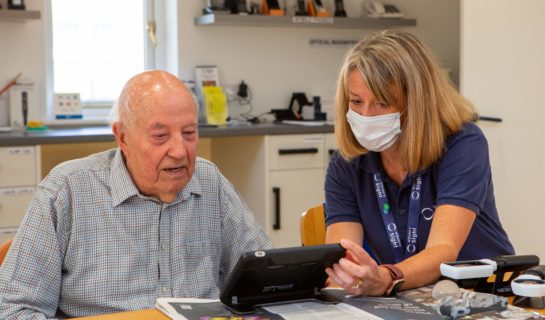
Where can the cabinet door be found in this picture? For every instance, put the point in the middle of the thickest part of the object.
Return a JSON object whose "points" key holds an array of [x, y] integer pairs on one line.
{"points": [[13, 205], [291, 193]]}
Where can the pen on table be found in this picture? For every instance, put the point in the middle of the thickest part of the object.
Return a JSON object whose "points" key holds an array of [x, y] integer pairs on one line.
{"points": [[10, 84]]}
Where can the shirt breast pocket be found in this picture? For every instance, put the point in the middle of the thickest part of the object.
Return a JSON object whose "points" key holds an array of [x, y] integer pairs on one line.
{"points": [[200, 265]]}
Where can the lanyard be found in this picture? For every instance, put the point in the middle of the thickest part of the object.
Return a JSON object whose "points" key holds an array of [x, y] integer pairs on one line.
{"points": [[389, 222]]}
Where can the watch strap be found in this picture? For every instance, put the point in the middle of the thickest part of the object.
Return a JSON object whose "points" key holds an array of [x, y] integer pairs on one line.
{"points": [[397, 279]]}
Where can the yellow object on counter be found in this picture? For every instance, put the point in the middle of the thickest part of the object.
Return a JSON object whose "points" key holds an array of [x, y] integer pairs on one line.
{"points": [[36, 125], [215, 103]]}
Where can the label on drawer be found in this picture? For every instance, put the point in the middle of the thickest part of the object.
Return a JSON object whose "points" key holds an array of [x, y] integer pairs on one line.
{"points": [[313, 139], [7, 233], [20, 151], [14, 191]]}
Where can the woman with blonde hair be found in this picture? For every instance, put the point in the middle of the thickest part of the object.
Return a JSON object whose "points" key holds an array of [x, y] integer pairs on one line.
{"points": [[412, 175]]}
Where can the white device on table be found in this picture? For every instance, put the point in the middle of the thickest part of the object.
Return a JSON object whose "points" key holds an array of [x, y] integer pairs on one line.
{"points": [[531, 283], [527, 285], [469, 269]]}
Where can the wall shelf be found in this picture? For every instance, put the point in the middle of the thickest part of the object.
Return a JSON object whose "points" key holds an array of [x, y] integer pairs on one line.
{"points": [[301, 22], [7, 15]]}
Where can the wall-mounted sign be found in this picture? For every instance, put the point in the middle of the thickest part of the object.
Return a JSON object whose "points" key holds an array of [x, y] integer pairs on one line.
{"points": [[338, 43]]}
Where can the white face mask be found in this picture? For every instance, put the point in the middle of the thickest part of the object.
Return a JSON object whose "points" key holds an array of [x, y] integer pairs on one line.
{"points": [[375, 133]]}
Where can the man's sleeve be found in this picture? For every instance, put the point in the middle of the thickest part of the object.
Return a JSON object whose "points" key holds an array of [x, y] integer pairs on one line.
{"points": [[30, 277]]}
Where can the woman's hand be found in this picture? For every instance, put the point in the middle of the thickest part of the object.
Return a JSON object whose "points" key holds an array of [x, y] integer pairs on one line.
{"points": [[357, 273]]}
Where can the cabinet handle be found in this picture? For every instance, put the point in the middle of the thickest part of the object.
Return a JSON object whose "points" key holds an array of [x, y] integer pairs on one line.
{"points": [[276, 191], [297, 151], [492, 119], [330, 152]]}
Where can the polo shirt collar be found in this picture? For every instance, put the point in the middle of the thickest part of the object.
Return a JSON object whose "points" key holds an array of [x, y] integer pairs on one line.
{"points": [[123, 187], [370, 162]]}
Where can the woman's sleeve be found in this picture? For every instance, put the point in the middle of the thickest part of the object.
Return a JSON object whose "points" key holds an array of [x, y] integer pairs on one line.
{"points": [[463, 172], [341, 204]]}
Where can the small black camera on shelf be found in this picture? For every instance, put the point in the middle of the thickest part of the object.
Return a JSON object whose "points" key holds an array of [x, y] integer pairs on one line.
{"points": [[301, 8], [16, 5], [318, 114], [339, 9]]}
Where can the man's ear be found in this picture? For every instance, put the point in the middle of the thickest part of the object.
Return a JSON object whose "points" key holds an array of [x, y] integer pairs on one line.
{"points": [[120, 135]]}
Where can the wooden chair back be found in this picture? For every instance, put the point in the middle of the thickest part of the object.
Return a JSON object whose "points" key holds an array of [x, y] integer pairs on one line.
{"points": [[312, 226], [4, 247]]}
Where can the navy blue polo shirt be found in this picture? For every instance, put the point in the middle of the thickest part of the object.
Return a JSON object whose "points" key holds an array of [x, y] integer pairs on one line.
{"points": [[461, 177]]}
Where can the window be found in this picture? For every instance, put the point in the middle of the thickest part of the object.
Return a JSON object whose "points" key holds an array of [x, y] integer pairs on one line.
{"points": [[97, 46]]}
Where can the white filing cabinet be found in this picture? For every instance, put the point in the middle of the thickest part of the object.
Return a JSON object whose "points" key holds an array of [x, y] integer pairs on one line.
{"points": [[19, 175], [278, 176]]}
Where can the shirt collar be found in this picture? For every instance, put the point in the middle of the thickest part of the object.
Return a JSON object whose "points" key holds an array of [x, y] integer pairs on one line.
{"points": [[123, 187], [370, 163]]}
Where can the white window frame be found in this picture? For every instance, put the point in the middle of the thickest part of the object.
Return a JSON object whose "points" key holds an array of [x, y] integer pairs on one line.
{"points": [[164, 56]]}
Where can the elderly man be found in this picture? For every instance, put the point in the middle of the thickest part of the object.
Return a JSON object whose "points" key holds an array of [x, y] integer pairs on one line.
{"points": [[118, 229]]}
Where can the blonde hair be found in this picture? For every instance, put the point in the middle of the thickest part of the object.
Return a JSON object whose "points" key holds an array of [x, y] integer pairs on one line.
{"points": [[403, 72]]}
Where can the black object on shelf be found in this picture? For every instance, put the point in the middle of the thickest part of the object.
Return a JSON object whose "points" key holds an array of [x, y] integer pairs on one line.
{"points": [[301, 99], [236, 6], [318, 114], [339, 9], [301, 10], [217, 7], [16, 4]]}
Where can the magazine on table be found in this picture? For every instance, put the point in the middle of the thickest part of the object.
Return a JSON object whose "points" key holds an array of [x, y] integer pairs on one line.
{"points": [[205, 309], [352, 308]]}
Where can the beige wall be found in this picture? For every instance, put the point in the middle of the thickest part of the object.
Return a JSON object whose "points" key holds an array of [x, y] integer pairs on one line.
{"points": [[278, 61], [273, 61]]}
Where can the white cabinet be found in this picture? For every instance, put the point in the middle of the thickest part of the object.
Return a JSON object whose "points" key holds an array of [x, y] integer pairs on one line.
{"points": [[19, 175], [278, 176]]}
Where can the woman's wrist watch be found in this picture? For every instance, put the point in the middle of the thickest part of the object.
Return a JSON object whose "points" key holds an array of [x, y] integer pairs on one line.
{"points": [[397, 279]]}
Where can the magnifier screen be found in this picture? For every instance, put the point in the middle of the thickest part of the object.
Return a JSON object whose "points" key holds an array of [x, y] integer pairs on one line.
{"points": [[469, 264]]}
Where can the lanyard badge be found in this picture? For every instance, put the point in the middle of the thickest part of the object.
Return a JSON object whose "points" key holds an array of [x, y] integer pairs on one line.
{"points": [[400, 253]]}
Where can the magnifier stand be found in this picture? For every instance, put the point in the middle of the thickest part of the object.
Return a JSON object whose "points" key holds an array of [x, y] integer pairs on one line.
{"points": [[500, 286], [529, 302]]}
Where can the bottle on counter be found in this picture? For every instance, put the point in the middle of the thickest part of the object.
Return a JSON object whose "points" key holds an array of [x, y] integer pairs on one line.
{"points": [[200, 109]]}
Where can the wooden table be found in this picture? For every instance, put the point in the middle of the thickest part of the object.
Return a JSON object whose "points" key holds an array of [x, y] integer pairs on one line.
{"points": [[147, 314], [153, 314]]}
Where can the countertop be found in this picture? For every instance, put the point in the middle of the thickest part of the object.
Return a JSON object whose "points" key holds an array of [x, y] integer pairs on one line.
{"points": [[104, 133]]}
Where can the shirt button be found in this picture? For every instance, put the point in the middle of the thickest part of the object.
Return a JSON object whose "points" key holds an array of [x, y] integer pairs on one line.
{"points": [[163, 247], [401, 211], [164, 289]]}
